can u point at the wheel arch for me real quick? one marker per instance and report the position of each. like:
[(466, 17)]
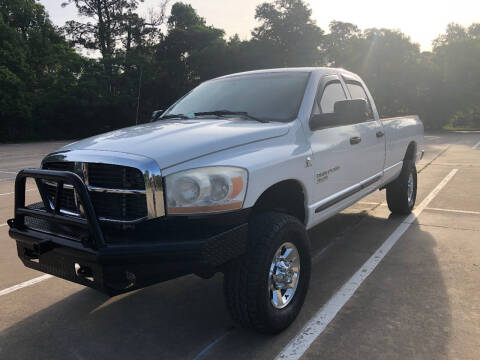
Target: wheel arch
[(411, 151), (286, 196)]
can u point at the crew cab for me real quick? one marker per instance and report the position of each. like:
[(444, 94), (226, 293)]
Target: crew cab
[(228, 179)]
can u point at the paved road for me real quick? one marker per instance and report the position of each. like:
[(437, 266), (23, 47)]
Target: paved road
[(421, 301)]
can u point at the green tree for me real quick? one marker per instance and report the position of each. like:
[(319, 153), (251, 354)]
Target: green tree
[(106, 32), (190, 51), (47, 89), (387, 60), (36, 66), (342, 43), (288, 33), (457, 55), (388, 65), (14, 107)]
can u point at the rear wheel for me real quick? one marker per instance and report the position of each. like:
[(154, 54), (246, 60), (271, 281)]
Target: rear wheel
[(265, 288), (402, 193)]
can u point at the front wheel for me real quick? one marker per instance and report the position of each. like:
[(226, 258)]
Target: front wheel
[(402, 193), (265, 288)]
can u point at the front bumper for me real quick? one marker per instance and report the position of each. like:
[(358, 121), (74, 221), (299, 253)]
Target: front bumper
[(113, 268)]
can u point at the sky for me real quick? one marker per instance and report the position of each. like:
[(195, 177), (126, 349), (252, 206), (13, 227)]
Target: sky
[(422, 20)]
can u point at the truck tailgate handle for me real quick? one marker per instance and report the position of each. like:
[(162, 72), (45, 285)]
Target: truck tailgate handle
[(380, 134), (355, 140)]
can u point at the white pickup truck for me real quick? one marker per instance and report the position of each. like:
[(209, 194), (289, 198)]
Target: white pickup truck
[(229, 179)]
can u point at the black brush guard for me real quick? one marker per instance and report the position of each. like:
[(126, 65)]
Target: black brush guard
[(89, 261), (89, 222)]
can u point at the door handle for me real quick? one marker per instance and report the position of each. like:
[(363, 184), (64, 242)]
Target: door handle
[(380, 134), (355, 140)]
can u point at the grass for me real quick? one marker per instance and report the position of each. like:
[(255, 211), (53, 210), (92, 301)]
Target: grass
[(450, 127)]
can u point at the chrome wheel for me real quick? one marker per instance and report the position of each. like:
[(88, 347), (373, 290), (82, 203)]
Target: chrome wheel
[(410, 189), (284, 275)]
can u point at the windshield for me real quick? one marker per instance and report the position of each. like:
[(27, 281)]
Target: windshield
[(267, 96)]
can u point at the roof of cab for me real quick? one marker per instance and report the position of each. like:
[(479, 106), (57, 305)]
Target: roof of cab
[(325, 70)]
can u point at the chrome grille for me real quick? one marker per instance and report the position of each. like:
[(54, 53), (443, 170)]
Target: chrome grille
[(117, 192)]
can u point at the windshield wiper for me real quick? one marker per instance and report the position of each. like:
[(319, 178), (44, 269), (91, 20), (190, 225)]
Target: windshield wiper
[(174, 116), (228, 112)]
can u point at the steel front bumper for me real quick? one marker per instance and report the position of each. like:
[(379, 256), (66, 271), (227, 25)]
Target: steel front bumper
[(116, 268)]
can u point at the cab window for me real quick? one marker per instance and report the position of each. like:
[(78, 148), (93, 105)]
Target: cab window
[(332, 93), (357, 92)]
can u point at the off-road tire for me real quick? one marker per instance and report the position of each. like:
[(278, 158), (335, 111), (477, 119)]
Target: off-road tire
[(397, 191), (246, 279)]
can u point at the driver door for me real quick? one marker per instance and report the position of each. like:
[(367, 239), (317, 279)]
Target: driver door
[(335, 166)]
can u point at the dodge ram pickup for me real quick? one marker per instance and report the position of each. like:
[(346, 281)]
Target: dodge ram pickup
[(228, 179)]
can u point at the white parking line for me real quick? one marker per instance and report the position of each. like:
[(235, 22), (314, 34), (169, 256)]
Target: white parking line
[(441, 152), (315, 326), (457, 164), (427, 208), (455, 211), (369, 203), (3, 224), (24, 284), (17, 155), (476, 146), (9, 193), (13, 192), (7, 172)]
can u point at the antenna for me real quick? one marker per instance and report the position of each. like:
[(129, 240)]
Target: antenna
[(138, 97)]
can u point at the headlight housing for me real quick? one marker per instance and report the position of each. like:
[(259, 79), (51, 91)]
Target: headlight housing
[(206, 190)]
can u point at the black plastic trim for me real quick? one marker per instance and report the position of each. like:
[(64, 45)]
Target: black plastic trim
[(347, 194)]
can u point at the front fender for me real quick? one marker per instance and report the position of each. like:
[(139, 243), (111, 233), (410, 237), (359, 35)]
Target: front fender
[(268, 162)]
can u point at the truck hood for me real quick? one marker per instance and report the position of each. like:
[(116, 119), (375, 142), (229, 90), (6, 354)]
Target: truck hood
[(170, 142)]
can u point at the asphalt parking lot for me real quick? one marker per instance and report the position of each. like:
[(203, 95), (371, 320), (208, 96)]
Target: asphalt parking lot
[(383, 286)]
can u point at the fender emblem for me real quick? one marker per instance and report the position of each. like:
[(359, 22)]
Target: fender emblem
[(308, 162), (321, 176)]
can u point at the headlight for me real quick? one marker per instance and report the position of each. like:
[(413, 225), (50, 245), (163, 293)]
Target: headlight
[(205, 190)]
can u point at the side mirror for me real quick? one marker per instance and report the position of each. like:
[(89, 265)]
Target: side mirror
[(351, 111), (155, 115), (346, 112)]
